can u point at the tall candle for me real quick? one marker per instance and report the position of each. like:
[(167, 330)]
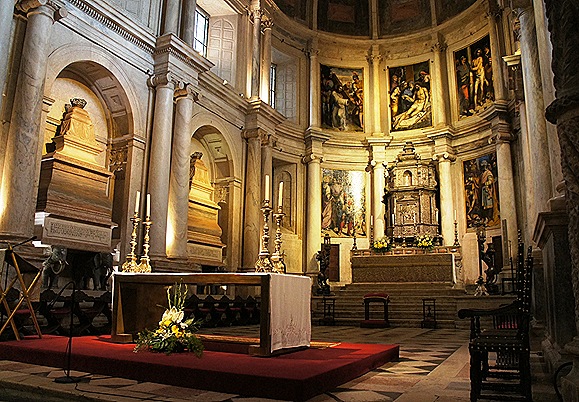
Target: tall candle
[(455, 215), (148, 205), (392, 219), (137, 202), (267, 187), (280, 194), (371, 220)]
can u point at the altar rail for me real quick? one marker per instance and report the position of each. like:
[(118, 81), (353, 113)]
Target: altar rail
[(136, 298)]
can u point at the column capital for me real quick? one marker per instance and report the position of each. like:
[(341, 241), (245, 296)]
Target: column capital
[(266, 23), (438, 47), (187, 91), (162, 79), (312, 158), (374, 58), (52, 10), (266, 138), (493, 10), (253, 133), (444, 157)]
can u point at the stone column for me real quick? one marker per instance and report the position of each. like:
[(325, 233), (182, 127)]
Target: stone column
[(375, 59), (188, 34), (494, 15), (160, 162), (265, 86), (178, 205), (539, 166), (439, 89), (6, 14), (315, 108), (447, 206), (256, 47), (253, 216), (564, 111), (313, 210), (378, 150), (171, 17), (506, 187), (24, 148)]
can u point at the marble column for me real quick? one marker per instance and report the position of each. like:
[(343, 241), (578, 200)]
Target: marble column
[(538, 165), (171, 17), (188, 32), (447, 206), (439, 89), (252, 216), (494, 15), (377, 196), (265, 86), (23, 147), (315, 108), (564, 112), (375, 59), (507, 195), (6, 15), (160, 162), (313, 211), (178, 206), (256, 15)]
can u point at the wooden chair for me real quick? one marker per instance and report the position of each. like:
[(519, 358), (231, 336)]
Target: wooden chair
[(504, 332), (17, 310)]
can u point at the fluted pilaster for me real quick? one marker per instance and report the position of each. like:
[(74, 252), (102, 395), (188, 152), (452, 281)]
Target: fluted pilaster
[(253, 217)]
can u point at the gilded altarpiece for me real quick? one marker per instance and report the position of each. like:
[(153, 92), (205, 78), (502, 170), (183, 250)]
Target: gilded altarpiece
[(411, 195)]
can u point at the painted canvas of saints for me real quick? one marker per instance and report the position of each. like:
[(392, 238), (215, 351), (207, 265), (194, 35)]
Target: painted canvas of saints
[(474, 77), (343, 203), (410, 97), (342, 98), (481, 191)]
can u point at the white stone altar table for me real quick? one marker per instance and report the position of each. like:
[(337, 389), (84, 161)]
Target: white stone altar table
[(285, 320)]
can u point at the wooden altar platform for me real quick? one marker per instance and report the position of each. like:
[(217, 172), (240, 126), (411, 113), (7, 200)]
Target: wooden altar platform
[(137, 298), (404, 265)]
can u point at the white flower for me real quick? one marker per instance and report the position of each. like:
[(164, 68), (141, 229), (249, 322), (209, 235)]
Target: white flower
[(173, 315)]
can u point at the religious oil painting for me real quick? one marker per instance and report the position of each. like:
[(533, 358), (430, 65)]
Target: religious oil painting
[(474, 78), (481, 191), (343, 203), (410, 97), (342, 95)]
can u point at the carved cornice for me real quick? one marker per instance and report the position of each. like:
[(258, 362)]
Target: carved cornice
[(169, 46), (117, 23)]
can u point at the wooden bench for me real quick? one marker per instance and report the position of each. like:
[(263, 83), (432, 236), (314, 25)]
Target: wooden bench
[(502, 333)]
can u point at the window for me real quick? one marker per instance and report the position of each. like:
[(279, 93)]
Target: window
[(272, 83), (201, 31)]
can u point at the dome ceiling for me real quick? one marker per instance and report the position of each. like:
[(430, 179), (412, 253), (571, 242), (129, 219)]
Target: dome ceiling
[(352, 17)]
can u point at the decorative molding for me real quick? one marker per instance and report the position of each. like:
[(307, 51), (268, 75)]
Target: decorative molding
[(136, 36)]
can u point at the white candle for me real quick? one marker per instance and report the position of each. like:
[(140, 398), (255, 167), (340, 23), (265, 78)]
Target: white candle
[(392, 219), (455, 215), (148, 205), (137, 202), (280, 194), (371, 220), (267, 187)]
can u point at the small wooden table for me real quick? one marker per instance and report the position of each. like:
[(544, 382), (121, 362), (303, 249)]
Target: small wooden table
[(137, 296)]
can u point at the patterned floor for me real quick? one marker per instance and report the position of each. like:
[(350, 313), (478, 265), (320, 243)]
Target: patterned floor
[(433, 366)]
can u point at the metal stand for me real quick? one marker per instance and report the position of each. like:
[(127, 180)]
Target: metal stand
[(456, 243), (130, 265), (277, 256), (263, 263), (145, 263)]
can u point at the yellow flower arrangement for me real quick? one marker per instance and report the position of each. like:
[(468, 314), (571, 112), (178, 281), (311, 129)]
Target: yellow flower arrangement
[(382, 245), (424, 241), (173, 334)]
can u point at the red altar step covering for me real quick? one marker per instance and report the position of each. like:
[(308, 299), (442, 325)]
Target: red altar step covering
[(295, 376)]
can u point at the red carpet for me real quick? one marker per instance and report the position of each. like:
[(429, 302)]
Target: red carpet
[(294, 376)]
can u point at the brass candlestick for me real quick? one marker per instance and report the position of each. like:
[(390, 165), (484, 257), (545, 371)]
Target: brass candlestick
[(130, 265), (277, 256), (263, 263), (145, 263)]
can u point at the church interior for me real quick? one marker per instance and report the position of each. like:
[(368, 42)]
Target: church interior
[(302, 167)]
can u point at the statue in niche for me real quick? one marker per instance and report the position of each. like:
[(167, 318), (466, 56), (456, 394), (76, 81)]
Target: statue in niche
[(193, 158)]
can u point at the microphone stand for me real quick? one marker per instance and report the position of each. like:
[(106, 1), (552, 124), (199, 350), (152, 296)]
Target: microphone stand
[(68, 379)]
